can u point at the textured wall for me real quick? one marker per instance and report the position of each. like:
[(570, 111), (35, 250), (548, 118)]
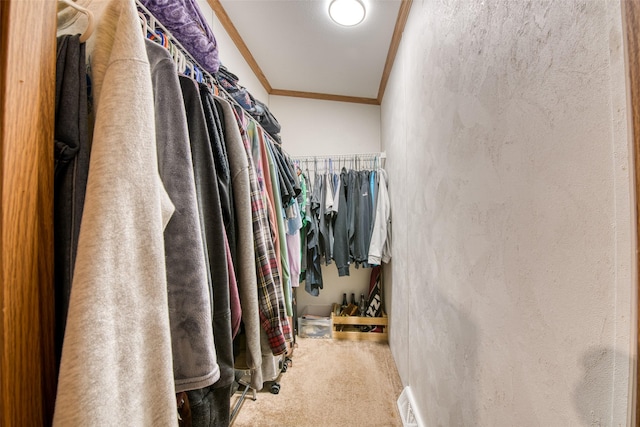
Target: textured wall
[(510, 291)]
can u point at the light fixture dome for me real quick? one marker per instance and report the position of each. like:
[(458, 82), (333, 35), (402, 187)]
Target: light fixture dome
[(347, 12)]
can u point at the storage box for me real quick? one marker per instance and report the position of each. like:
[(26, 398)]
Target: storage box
[(348, 327), (315, 322)]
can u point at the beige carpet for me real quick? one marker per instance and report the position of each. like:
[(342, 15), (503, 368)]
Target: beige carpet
[(330, 383)]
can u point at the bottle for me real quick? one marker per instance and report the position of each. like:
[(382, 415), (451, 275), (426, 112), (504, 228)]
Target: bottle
[(353, 299), (362, 306), (344, 301)]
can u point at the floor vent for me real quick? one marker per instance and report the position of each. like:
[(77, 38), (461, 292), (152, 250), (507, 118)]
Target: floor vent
[(407, 408)]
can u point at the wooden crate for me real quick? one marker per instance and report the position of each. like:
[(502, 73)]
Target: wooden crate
[(345, 328)]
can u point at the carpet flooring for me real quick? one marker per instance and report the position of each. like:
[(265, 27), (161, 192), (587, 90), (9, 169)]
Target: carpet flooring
[(330, 383)]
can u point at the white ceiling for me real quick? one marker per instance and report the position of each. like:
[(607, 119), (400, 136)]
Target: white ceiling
[(299, 48)]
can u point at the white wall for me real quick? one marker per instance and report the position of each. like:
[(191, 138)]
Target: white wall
[(231, 57), (511, 287), (315, 128), (312, 127)]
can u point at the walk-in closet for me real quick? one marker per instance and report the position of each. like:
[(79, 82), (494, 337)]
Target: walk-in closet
[(256, 213)]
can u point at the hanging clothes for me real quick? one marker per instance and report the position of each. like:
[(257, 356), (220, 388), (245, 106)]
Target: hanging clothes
[(172, 212), (341, 237), (269, 286), (380, 247), (116, 366), (264, 176), (213, 206), (188, 285), (270, 197), (245, 252), (283, 189), (320, 195), (252, 140), (289, 187), (293, 253), (215, 129), (353, 188), (209, 406), (293, 227), (234, 296), (364, 213), (328, 214), (276, 177), (343, 209), (71, 154), (303, 201), (313, 276)]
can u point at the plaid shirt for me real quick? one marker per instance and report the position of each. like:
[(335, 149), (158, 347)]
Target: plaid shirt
[(270, 299)]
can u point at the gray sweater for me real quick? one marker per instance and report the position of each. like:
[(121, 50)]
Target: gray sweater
[(116, 358), (194, 355)]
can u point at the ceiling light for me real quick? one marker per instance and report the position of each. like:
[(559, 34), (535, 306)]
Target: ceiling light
[(347, 12)]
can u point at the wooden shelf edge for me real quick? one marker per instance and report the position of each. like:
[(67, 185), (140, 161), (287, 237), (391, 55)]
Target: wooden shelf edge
[(359, 336), (355, 320)]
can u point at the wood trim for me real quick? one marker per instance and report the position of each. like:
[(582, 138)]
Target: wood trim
[(239, 42), (401, 21), (4, 364), (324, 96), (631, 24), (360, 336), (27, 87), (356, 320)]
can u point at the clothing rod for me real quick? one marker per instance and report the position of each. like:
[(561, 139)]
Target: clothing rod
[(361, 156)]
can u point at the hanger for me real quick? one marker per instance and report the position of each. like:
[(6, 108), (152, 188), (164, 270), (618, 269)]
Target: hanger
[(187, 69), (196, 73), (149, 29), (165, 39), (90, 20), (183, 62), (172, 51), (175, 54), (179, 60), (152, 24), (160, 37), (143, 23), (156, 37)]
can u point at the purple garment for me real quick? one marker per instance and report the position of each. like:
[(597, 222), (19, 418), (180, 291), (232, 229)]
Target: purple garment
[(234, 293), (187, 24)]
